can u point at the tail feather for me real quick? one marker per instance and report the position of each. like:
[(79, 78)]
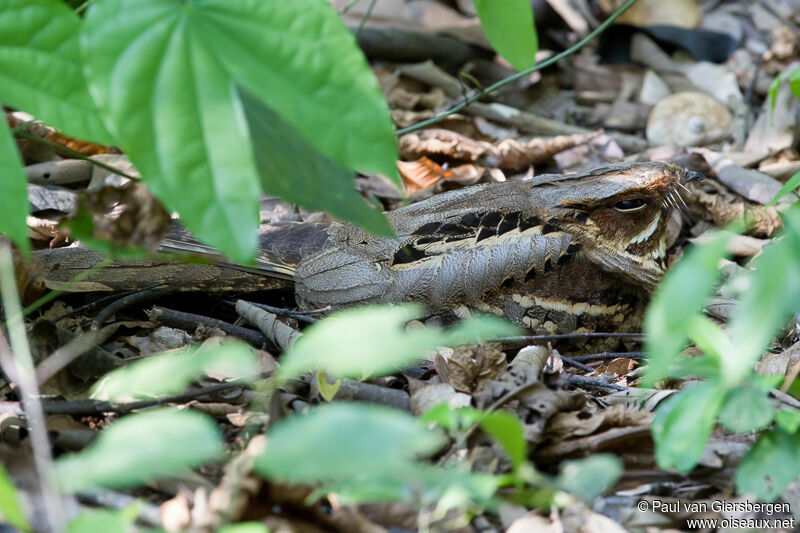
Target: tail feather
[(280, 246)]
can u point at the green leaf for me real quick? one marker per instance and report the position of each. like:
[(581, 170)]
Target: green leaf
[(788, 421), (794, 82), (773, 294), (291, 168), (94, 520), (10, 511), (166, 72), (770, 465), (791, 185), (245, 527), (171, 372), (299, 59), (590, 477), (175, 113), (140, 447), (507, 430), (683, 424), (452, 419), (677, 302), (418, 483), (13, 191), (344, 441), (746, 409), (508, 25), (369, 341), (709, 337), (41, 70)]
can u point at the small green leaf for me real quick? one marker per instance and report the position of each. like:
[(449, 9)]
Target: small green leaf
[(770, 465), (507, 430), (773, 92), (590, 477), (683, 424), (458, 419), (508, 25), (788, 421), (794, 82), (291, 168), (746, 409), (140, 447), (677, 302), (171, 372), (94, 520), (368, 341), (41, 68), (13, 192), (791, 185), (344, 441), (10, 511)]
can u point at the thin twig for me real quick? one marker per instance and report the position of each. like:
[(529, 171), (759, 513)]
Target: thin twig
[(572, 362), (568, 336), (366, 15), (480, 94), (22, 367), (95, 407), (591, 357)]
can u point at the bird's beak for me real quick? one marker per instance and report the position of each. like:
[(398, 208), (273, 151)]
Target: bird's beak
[(691, 175)]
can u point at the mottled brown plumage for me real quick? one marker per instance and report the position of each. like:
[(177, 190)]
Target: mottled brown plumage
[(556, 254)]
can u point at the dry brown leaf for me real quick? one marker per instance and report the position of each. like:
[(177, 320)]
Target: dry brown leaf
[(509, 153), (128, 215), (470, 367)]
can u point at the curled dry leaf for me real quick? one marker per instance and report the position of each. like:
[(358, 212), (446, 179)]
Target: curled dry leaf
[(128, 215), (424, 174), (509, 153), (471, 367), (722, 209)]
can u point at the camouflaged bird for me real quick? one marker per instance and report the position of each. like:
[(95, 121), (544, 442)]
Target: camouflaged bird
[(556, 254)]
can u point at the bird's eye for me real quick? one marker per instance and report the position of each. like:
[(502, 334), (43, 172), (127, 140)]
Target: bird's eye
[(630, 205)]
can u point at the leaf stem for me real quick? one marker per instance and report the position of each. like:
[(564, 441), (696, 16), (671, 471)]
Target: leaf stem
[(480, 94), (18, 365)]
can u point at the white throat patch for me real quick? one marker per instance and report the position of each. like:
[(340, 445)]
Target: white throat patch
[(648, 231)]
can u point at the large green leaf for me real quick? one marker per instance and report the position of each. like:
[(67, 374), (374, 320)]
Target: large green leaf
[(141, 447), (773, 293), (345, 441), (508, 24), (371, 340), (770, 465), (40, 67), (166, 72), (13, 191), (677, 302), (791, 185), (171, 372), (683, 424), (291, 168), (302, 61)]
